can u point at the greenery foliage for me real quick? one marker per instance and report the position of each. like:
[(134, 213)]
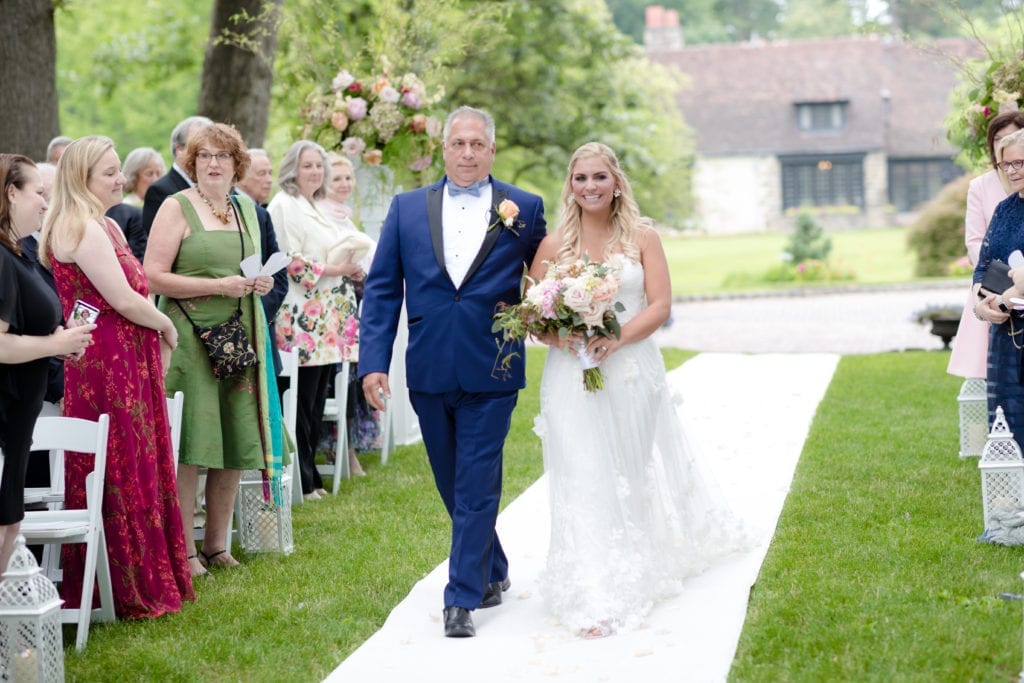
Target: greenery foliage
[(808, 241), (937, 235), (989, 86)]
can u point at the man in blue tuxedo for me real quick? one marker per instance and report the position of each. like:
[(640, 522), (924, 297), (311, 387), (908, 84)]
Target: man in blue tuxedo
[(454, 258)]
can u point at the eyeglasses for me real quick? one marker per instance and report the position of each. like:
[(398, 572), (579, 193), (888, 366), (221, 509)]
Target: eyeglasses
[(1015, 165), (206, 156)]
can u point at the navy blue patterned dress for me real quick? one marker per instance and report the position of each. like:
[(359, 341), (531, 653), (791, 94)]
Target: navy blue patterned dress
[(1005, 359)]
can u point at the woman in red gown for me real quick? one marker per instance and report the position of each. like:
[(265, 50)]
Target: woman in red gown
[(121, 374)]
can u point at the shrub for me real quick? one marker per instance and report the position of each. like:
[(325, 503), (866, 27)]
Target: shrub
[(811, 270), (937, 235), (808, 241)]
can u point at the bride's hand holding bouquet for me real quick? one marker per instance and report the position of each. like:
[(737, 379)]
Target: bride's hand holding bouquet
[(572, 306)]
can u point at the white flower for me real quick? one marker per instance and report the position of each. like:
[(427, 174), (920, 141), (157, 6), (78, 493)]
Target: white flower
[(342, 80), (577, 296), (389, 94)]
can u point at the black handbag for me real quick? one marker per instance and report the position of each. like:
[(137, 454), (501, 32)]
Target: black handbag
[(227, 343), (997, 278)]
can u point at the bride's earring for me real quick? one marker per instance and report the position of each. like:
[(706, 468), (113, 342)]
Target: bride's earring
[(617, 192)]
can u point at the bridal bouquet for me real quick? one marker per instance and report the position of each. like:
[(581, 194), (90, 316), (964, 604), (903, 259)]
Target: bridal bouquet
[(573, 300)]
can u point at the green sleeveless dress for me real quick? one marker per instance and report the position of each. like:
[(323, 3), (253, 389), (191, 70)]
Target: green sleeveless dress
[(220, 425)]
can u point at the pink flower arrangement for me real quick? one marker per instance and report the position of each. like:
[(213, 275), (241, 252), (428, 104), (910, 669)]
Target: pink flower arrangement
[(574, 300), (381, 119)]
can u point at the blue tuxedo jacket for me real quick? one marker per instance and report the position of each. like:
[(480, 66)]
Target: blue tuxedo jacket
[(451, 345)]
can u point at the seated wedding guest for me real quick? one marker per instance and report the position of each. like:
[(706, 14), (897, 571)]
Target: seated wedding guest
[(1005, 367), (142, 167), (175, 179), (30, 333), (319, 312), (259, 180), (121, 375), (56, 148), (199, 237), (970, 346), (363, 421)]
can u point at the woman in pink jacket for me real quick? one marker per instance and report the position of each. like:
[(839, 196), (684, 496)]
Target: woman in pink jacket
[(970, 348)]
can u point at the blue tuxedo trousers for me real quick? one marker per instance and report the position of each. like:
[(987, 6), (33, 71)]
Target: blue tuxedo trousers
[(464, 433)]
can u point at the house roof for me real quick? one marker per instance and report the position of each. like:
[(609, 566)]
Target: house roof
[(740, 97)]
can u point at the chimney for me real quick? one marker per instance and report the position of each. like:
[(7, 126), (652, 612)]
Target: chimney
[(661, 29)]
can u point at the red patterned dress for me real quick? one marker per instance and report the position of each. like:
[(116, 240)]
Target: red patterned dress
[(121, 375)]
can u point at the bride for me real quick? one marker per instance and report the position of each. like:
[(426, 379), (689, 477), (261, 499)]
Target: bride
[(631, 514)]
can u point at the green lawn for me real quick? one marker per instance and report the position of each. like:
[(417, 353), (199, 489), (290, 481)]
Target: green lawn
[(701, 265), (873, 574)]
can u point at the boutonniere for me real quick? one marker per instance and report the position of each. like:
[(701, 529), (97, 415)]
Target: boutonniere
[(507, 212)]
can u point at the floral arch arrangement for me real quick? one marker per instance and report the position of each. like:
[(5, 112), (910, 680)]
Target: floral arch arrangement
[(378, 119), (998, 88)]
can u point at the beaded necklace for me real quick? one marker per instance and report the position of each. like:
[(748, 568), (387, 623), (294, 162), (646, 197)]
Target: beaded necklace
[(224, 216)]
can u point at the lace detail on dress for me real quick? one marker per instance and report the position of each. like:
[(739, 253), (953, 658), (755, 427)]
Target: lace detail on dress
[(631, 513)]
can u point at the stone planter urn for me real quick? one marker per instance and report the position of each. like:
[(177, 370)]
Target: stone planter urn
[(944, 321), (945, 329)]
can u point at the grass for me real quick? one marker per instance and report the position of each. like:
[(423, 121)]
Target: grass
[(295, 618), (874, 573), (702, 265)]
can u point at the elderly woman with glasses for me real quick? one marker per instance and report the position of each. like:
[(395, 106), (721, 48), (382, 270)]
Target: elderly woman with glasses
[(1006, 332), (199, 238)]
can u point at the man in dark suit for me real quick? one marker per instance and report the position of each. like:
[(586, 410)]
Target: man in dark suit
[(174, 180), (448, 253), (259, 179), (129, 219)]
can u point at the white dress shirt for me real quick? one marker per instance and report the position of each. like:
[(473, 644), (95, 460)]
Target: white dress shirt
[(464, 218)]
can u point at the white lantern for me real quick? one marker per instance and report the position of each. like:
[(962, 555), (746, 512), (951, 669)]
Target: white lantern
[(31, 642), (973, 403), (262, 525), (1002, 470)]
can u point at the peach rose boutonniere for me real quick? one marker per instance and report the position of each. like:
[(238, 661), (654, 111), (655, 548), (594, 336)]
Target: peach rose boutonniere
[(507, 212)]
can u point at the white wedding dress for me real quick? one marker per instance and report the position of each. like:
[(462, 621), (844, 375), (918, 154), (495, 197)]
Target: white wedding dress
[(631, 513)]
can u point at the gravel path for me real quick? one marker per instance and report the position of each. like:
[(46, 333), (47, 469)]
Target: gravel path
[(858, 321)]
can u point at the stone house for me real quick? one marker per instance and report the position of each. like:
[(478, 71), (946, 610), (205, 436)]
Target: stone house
[(850, 129)]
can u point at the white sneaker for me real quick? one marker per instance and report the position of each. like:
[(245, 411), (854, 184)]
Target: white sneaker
[(313, 495)]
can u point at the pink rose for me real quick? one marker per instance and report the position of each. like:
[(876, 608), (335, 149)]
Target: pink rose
[(331, 339), (418, 123), (357, 108), (433, 126), (339, 121), (389, 94), (412, 100), (296, 266), (353, 146), (373, 157)]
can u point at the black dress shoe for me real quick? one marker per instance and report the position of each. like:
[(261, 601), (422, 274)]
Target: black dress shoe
[(492, 596), (458, 623)]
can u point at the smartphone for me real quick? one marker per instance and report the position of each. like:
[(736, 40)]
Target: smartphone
[(83, 314)]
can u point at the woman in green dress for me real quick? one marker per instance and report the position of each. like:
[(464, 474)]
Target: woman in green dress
[(198, 239)]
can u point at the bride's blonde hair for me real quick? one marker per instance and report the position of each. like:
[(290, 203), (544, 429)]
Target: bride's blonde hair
[(73, 204), (625, 219)]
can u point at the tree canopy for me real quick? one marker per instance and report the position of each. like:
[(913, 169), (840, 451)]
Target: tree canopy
[(555, 74)]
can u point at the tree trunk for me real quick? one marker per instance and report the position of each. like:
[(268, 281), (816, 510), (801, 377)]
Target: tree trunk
[(239, 66), (28, 73)]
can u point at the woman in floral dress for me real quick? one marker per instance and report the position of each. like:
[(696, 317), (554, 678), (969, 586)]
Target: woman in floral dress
[(319, 313)]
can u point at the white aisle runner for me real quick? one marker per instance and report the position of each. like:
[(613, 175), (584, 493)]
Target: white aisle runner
[(750, 415)]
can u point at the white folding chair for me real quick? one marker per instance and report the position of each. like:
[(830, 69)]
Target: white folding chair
[(58, 527), (175, 406), (387, 433), (336, 410), (290, 369)]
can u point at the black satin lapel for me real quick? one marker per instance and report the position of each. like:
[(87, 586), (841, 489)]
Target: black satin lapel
[(434, 222), (492, 233)]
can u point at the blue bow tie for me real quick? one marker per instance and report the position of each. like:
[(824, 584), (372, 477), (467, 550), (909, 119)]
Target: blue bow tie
[(474, 189)]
